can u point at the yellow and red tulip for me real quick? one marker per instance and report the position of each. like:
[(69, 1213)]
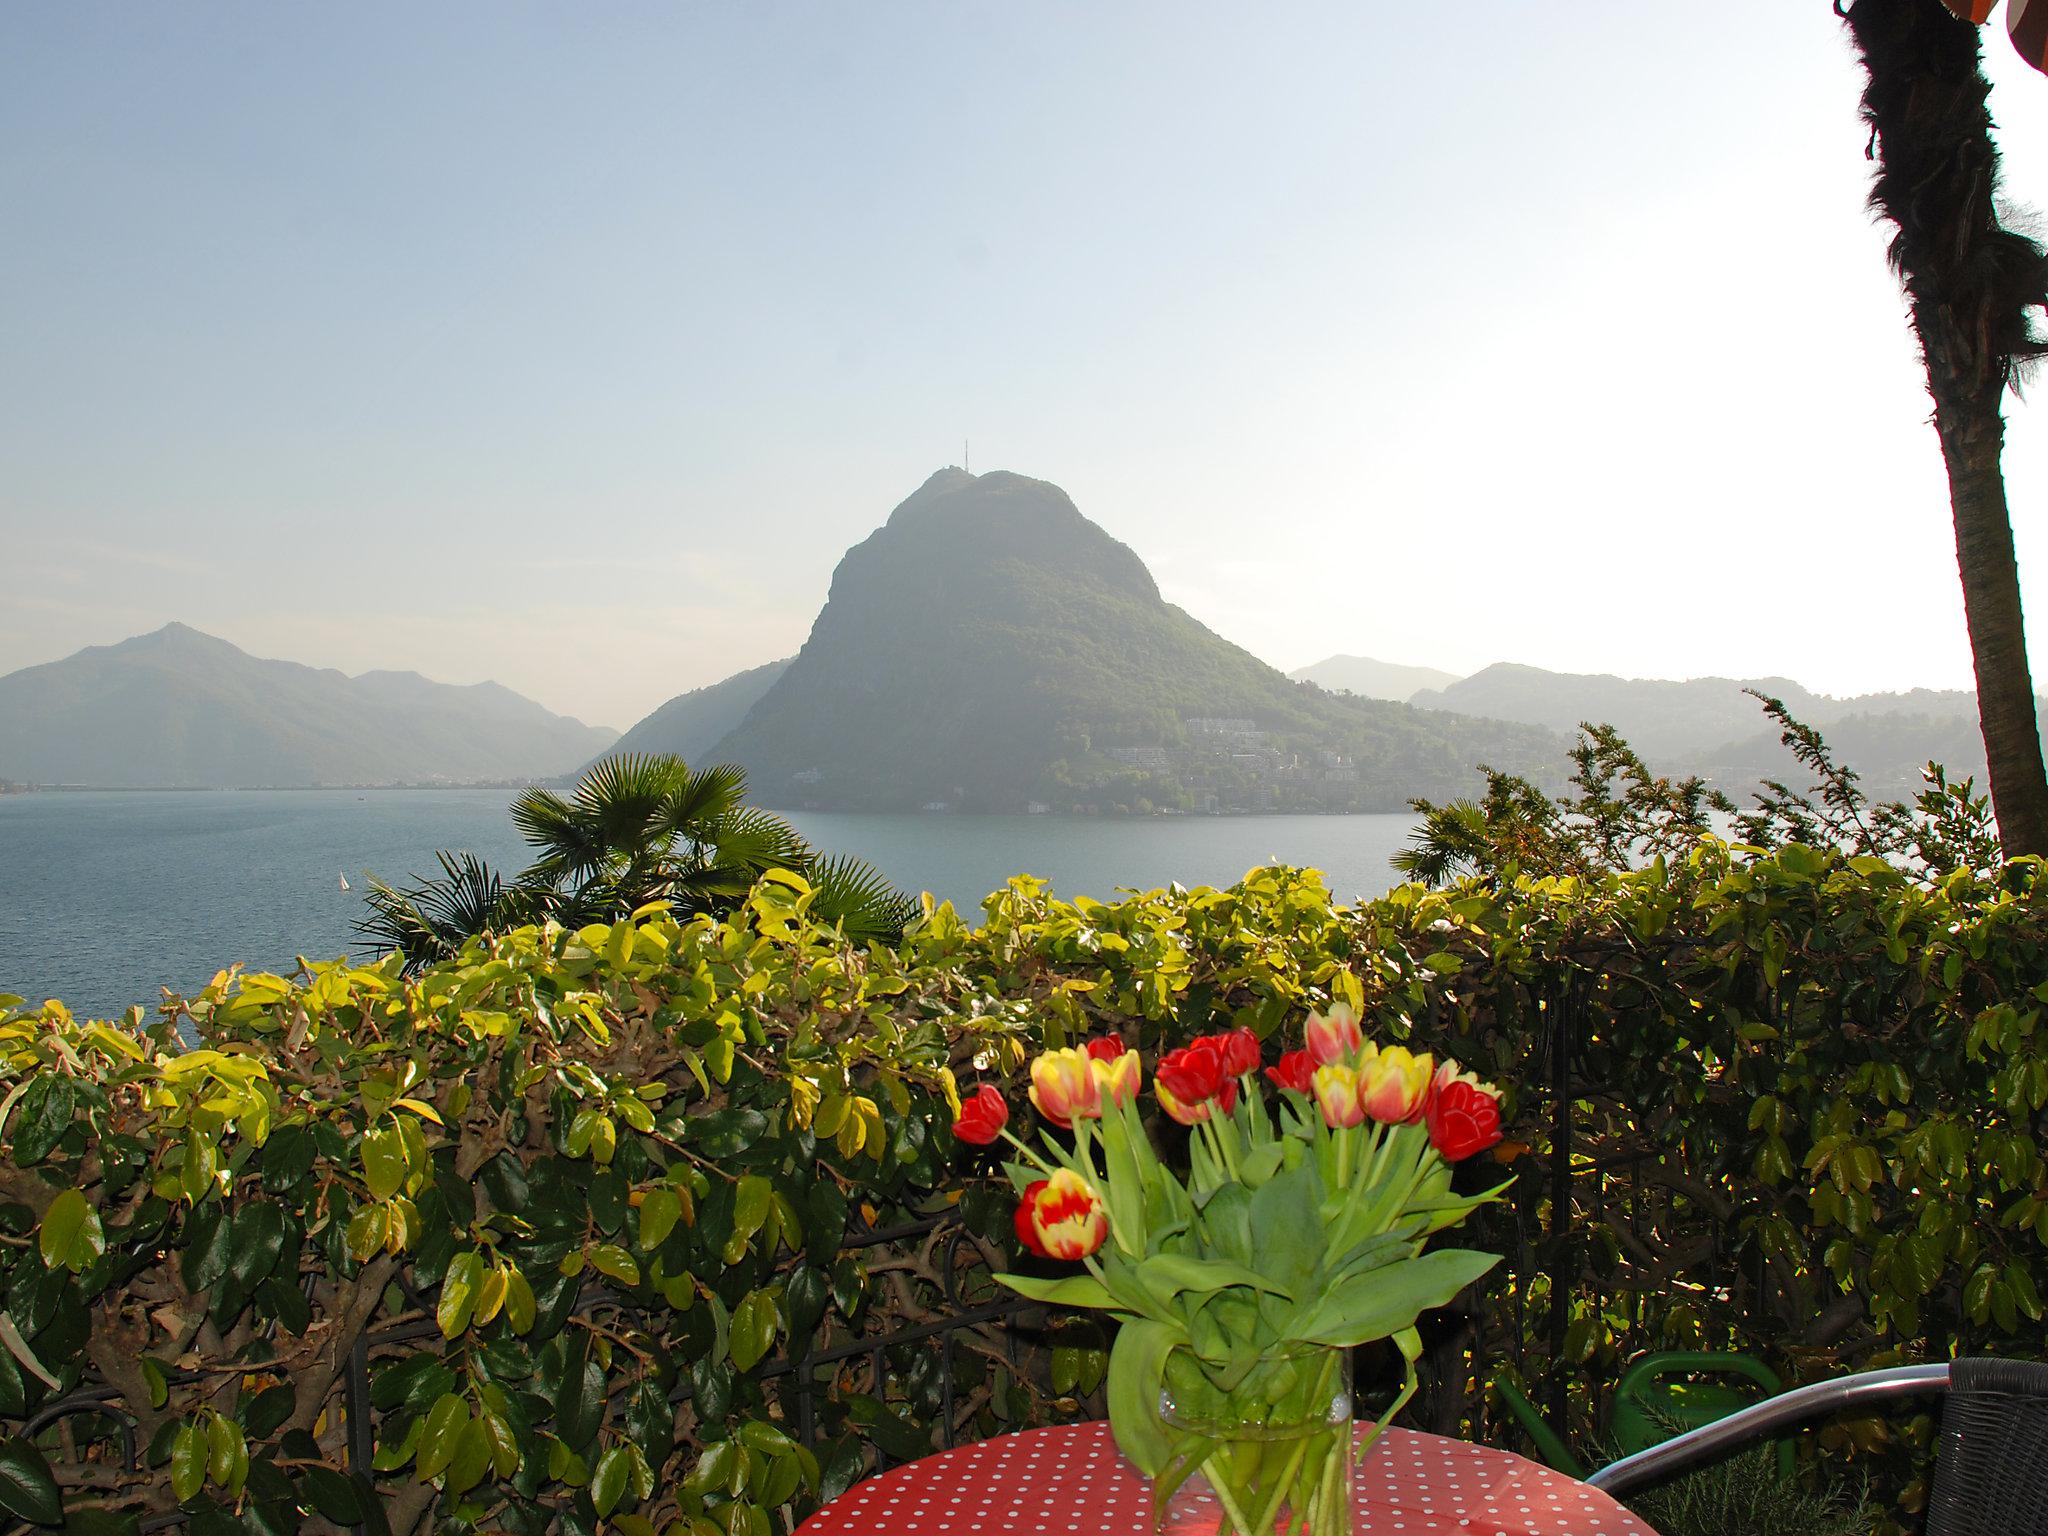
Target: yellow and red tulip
[(1448, 1072), (1333, 1036), (1117, 1077), (1336, 1093), (1062, 1217), (1064, 1087), (1394, 1083)]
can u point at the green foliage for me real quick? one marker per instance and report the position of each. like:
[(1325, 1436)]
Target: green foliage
[(1623, 815), (584, 1191), (1745, 1493), (634, 832)]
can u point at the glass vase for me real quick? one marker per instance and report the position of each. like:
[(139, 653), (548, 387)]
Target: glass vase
[(1257, 1447)]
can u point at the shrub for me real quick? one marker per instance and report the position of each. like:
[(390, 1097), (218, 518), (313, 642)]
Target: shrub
[(572, 1201), (563, 1201)]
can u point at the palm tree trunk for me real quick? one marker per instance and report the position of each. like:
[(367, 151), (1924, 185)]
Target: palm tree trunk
[(1998, 631), (1972, 285)]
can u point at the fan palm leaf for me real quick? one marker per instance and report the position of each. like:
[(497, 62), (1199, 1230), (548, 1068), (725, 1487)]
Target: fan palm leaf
[(855, 895), (570, 847), (431, 920), (700, 798)]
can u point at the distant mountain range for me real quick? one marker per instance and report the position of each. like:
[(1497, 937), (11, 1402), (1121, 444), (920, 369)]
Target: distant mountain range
[(1710, 726), (177, 708), (991, 649), (1372, 679), (987, 649)]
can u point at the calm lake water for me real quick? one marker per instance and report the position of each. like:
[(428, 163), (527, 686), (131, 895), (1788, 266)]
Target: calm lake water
[(105, 898)]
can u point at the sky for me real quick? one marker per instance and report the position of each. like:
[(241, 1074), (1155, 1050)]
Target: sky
[(570, 347)]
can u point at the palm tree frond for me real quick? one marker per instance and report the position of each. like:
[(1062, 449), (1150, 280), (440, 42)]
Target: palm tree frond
[(854, 894), (431, 920), (701, 799)]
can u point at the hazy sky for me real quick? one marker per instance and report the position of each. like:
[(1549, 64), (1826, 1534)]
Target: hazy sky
[(571, 345)]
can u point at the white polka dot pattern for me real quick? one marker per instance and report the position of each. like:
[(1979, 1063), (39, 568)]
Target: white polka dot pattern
[(1068, 1480)]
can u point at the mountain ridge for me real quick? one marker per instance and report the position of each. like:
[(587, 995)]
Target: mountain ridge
[(1711, 725), (180, 708), (1371, 678)]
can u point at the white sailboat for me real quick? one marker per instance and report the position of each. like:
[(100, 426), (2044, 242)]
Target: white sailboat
[(343, 879)]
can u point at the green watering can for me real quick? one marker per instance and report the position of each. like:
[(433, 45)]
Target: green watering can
[(1658, 1397)]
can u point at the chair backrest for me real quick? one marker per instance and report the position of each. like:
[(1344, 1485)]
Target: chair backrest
[(1991, 1474)]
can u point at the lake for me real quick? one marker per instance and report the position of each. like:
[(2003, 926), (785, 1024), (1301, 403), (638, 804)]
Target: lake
[(106, 897)]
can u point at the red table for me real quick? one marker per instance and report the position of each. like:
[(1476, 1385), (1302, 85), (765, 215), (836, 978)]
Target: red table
[(1069, 1481)]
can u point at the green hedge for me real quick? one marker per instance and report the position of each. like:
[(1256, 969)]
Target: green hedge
[(580, 1195)]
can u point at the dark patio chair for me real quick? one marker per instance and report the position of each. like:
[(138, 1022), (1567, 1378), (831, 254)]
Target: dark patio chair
[(1990, 1473)]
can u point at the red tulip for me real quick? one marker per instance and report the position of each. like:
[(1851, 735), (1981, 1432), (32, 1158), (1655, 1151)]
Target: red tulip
[(1462, 1120), (982, 1117), (1240, 1050), (1193, 1074), (1195, 1114), (1295, 1073), (1107, 1048), (1062, 1217)]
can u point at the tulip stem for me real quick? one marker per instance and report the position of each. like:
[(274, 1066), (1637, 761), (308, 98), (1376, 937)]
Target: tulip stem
[(1221, 1143), (1036, 1161)]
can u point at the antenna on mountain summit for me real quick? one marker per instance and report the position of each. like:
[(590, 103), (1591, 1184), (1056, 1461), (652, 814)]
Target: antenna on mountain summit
[(966, 463)]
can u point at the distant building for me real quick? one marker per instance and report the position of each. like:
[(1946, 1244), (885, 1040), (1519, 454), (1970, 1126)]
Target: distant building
[(1223, 731), (1139, 757)]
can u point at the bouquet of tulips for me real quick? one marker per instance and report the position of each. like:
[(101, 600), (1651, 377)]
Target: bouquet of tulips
[(1295, 1235)]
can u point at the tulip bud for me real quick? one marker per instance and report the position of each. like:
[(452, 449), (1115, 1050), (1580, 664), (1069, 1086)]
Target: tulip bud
[(1333, 1036), (1295, 1072), (1193, 1074), (982, 1116), (1240, 1051), (1117, 1077), (1336, 1093)]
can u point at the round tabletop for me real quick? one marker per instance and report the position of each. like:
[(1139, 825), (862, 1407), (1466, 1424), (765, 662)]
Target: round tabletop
[(1069, 1480)]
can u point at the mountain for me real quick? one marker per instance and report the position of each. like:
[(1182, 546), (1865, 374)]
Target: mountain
[(177, 708), (1372, 679), (989, 648), (1710, 726), (1660, 719), (691, 724)]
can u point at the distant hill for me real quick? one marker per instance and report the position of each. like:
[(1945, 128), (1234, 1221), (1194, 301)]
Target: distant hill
[(181, 709), (691, 724), (1660, 719), (1709, 725), (989, 648), (1372, 679)]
